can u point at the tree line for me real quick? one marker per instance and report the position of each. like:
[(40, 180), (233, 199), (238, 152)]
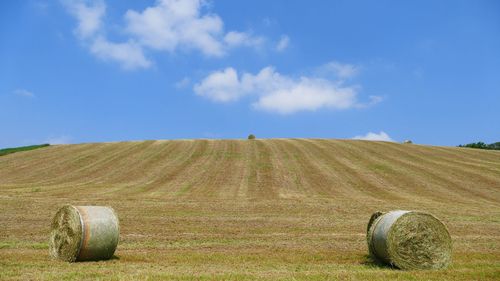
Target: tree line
[(482, 145)]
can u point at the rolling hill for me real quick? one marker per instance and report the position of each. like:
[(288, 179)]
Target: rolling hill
[(238, 209)]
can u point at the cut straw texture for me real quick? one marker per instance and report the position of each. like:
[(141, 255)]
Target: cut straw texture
[(409, 240), (82, 233)]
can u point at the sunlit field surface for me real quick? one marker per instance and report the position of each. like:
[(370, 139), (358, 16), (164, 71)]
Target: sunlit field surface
[(277, 209)]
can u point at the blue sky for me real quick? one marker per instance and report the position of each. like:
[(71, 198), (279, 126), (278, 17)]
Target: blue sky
[(92, 71)]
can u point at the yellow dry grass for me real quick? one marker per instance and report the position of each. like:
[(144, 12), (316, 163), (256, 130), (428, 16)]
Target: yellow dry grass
[(277, 209)]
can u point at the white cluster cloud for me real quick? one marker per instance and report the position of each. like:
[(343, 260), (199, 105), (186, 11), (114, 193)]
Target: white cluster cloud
[(172, 23), (279, 93), (381, 136), (89, 17), (168, 25), (90, 29), (221, 86)]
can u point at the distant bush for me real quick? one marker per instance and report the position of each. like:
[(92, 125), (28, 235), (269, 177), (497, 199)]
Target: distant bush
[(6, 151), (251, 137), (482, 145)]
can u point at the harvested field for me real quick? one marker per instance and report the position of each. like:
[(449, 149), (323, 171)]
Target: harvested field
[(277, 209)]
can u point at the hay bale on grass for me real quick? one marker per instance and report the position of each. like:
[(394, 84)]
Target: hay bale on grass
[(409, 240), (82, 233)]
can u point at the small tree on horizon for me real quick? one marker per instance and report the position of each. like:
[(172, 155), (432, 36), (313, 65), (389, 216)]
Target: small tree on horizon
[(251, 137)]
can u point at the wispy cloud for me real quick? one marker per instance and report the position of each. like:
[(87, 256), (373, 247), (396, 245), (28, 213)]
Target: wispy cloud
[(340, 70), (168, 25), (24, 93), (372, 100), (236, 39), (63, 139), (283, 43), (381, 136), (40, 5), (183, 83), (128, 54), (275, 92)]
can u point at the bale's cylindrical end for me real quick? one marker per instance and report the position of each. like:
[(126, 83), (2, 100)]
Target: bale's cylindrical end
[(409, 240), (66, 234), (81, 233)]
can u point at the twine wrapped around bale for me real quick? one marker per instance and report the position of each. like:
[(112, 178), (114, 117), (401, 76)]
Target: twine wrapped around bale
[(83, 233), (409, 240)]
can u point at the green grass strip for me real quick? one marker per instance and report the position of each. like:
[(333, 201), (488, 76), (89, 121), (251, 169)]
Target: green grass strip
[(6, 151)]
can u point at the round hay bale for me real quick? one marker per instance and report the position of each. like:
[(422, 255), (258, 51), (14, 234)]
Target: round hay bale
[(409, 240), (84, 233)]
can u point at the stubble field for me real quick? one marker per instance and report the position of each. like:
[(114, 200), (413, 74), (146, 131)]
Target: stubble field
[(276, 209)]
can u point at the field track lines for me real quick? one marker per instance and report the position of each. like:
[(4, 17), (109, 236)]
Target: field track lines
[(267, 169), (288, 172), (458, 181), (238, 170), (227, 177), (30, 161), (100, 168), (261, 182), (440, 179), (428, 185), (187, 183), (89, 175), (163, 165), (53, 171), (465, 169), (171, 165), (36, 166), (136, 172), (173, 153), (317, 178), (162, 183), (467, 154), (120, 163), (367, 181), (360, 164), (193, 181), (130, 171), (41, 155), (325, 178), (472, 160), (130, 168), (406, 176), (220, 172), (106, 180), (83, 167), (240, 187), (242, 190), (353, 184)]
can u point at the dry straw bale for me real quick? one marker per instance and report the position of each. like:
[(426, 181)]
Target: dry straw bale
[(409, 240), (81, 233)]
